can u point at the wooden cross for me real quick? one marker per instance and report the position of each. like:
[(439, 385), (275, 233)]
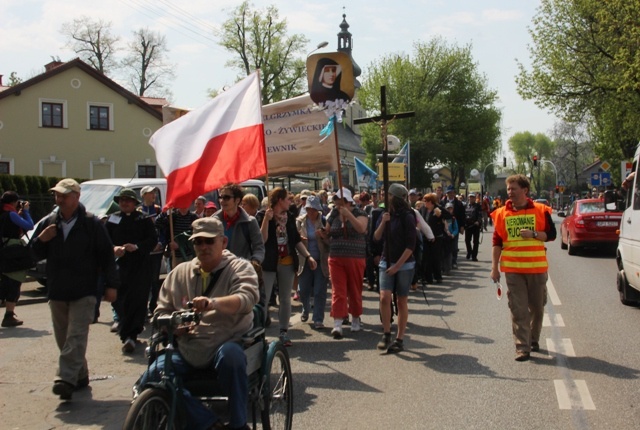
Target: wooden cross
[(383, 120)]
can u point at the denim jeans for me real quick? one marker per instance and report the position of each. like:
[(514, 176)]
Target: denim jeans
[(230, 364), (401, 281), (313, 282), (285, 278)]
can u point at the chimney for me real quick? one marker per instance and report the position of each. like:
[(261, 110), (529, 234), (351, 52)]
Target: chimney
[(52, 65)]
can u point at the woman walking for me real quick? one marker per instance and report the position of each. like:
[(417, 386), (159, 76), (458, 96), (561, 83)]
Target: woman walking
[(313, 282), (347, 228), (397, 264)]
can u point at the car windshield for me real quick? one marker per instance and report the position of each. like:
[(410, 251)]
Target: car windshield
[(98, 199), (591, 207)]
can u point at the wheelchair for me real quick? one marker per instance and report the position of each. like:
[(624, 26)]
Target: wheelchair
[(158, 404)]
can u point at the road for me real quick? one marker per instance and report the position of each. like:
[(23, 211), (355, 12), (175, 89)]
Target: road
[(458, 369)]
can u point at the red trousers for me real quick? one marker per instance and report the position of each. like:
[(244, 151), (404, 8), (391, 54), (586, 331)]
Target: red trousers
[(346, 286)]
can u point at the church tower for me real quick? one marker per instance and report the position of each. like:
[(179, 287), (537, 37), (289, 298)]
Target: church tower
[(345, 44)]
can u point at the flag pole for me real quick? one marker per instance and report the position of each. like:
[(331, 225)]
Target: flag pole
[(335, 135), (264, 147)]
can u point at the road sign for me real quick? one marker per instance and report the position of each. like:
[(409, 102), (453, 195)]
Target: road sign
[(562, 183), (605, 166), (595, 179), (605, 179), (561, 188)]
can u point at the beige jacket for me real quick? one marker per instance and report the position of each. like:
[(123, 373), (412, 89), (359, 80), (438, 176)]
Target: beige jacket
[(199, 346)]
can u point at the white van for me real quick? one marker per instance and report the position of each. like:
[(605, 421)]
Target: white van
[(628, 251), (97, 195)]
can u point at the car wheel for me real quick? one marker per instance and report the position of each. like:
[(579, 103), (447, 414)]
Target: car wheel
[(628, 295), (572, 249), (562, 244)]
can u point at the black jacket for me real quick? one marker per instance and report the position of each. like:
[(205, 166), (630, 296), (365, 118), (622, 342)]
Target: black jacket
[(74, 264), (270, 262)]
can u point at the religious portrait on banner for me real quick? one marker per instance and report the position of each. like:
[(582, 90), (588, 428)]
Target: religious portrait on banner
[(332, 79)]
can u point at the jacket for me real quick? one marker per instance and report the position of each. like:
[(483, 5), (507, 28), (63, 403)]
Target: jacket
[(74, 264), (270, 262), (246, 238), (198, 347)]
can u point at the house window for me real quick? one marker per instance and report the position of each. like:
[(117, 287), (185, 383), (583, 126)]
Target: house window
[(52, 114), (5, 168), (146, 171), (99, 117)]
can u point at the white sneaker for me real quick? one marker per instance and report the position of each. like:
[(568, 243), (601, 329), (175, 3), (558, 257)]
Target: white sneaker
[(337, 329), (355, 324)]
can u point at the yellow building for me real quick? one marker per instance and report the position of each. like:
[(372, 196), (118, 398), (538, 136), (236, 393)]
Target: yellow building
[(72, 121)]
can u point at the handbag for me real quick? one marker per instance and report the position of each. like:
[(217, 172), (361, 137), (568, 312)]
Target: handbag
[(14, 258)]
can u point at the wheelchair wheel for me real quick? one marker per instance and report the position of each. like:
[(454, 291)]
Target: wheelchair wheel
[(278, 401), (150, 410)]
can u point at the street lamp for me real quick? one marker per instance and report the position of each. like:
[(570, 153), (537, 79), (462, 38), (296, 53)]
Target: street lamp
[(319, 46)]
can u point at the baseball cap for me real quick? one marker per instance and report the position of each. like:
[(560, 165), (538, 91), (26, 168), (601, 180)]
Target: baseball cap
[(66, 186), (207, 227), (448, 205), (147, 189), (472, 195), (398, 190), (210, 205), (412, 191), (450, 189)]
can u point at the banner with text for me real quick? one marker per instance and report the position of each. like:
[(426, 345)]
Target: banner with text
[(292, 136)]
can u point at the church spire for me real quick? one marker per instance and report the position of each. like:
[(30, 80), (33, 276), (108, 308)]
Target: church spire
[(345, 44)]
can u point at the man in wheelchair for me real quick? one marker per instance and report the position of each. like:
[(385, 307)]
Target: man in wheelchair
[(225, 289)]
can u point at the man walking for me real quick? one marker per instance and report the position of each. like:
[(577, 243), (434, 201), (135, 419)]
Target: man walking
[(78, 251), (134, 237), (459, 213), (521, 227), (473, 219)]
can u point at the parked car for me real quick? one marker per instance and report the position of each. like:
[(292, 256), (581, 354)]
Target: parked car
[(588, 225), (543, 201)]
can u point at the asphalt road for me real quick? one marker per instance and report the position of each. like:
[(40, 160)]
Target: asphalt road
[(457, 372)]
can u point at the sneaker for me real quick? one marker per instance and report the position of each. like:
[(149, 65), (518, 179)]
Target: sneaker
[(522, 355), (396, 346), (355, 324), (296, 297), (304, 317), (468, 256), (10, 320), (129, 346), (337, 332), (114, 327), (63, 389), (318, 325), (385, 342), (285, 339), (535, 346)]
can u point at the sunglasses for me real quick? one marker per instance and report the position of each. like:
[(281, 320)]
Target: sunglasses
[(198, 241), (226, 197)]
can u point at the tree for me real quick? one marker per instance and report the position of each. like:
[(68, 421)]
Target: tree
[(586, 59), (14, 79), (260, 40), (456, 122), (147, 65), (92, 41), (573, 151), (525, 146)]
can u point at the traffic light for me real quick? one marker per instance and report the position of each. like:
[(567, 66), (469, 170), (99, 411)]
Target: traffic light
[(557, 189), (535, 160), (504, 161)]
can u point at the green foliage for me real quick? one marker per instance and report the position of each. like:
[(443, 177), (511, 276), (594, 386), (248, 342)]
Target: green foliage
[(260, 40), (586, 61), (14, 79), (524, 146), (456, 123)]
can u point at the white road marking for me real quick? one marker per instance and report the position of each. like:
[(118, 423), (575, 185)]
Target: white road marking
[(573, 397), (563, 347), (553, 295), (554, 320)]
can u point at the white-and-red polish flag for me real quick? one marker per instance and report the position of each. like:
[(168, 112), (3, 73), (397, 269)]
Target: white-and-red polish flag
[(223, 141)]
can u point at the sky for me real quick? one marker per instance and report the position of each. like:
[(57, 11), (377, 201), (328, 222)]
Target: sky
[(496, 30)]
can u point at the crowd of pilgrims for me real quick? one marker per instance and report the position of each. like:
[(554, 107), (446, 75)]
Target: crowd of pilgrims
[(305, 245)]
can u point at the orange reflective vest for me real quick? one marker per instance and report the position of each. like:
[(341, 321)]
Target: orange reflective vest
[(519, 254)]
